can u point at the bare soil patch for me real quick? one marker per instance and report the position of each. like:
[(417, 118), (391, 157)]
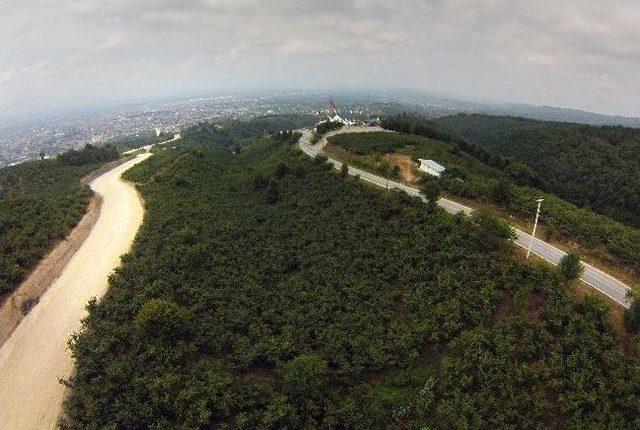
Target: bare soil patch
[(504, 309), (407, 167)]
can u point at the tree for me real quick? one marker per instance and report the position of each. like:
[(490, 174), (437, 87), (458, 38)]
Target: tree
[(344, 170), (163, 319), (551, 230), (632, 315), (281, 170), (493, 225), (272, 192), (260, 182), (571, 267), (431, 191), (306, 376), (501, 192), (320, 159)]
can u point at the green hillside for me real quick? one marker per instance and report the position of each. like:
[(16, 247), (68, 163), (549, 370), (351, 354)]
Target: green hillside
[(265, 291), (593, 167), (498, 180)]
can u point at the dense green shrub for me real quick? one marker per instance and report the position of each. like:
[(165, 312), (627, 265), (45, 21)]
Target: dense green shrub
[(327, 126), (306, 376), (493, 225), (162, 319), (571, 267), (632, 316)]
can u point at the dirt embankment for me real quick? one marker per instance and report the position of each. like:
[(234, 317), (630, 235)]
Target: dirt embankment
[(19, 302), (105, 168), (23, 298)]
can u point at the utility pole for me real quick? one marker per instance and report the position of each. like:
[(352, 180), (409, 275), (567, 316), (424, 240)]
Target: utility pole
[(535, 226)]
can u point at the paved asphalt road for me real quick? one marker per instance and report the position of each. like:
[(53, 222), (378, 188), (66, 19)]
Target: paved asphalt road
[(599, 280)]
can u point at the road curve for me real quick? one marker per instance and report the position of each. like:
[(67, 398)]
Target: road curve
[(606, 284), (36, 354)]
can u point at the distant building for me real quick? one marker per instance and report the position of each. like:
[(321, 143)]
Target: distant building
[(431, 167), (338, 118), (373, 122)]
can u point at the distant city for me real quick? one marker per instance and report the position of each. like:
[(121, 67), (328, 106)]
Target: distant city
[(24, 143), (52, 136)]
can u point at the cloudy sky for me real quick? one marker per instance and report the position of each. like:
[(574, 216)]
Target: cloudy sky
[(571, 53)]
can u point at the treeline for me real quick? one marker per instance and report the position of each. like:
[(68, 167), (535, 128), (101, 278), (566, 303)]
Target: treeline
[(229, 134), (266, 291), (265, 125), (126, 142), (374, 142), (90, 154), (324, 128), (502, 184), (40, 201), (593, 167)]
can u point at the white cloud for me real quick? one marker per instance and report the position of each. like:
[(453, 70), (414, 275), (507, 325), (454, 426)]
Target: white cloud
[(113, 42), (502, 49), (305, 47), (229, 56), (7, 75)]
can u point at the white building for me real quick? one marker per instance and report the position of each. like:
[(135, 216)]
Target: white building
[(431, 167), (338, 118)]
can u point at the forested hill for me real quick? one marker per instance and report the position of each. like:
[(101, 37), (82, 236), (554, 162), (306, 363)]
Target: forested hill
[(595, 167), (266, 291)]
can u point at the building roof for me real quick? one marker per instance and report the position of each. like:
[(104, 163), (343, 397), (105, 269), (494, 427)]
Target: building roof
[(338, 118), (432, 165)]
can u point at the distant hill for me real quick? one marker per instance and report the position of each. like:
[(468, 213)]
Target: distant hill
[(551, 113), (595, 167), (438, 105)]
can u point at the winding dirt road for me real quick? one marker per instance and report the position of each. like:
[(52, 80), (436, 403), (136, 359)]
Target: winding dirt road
[(36, 354)]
